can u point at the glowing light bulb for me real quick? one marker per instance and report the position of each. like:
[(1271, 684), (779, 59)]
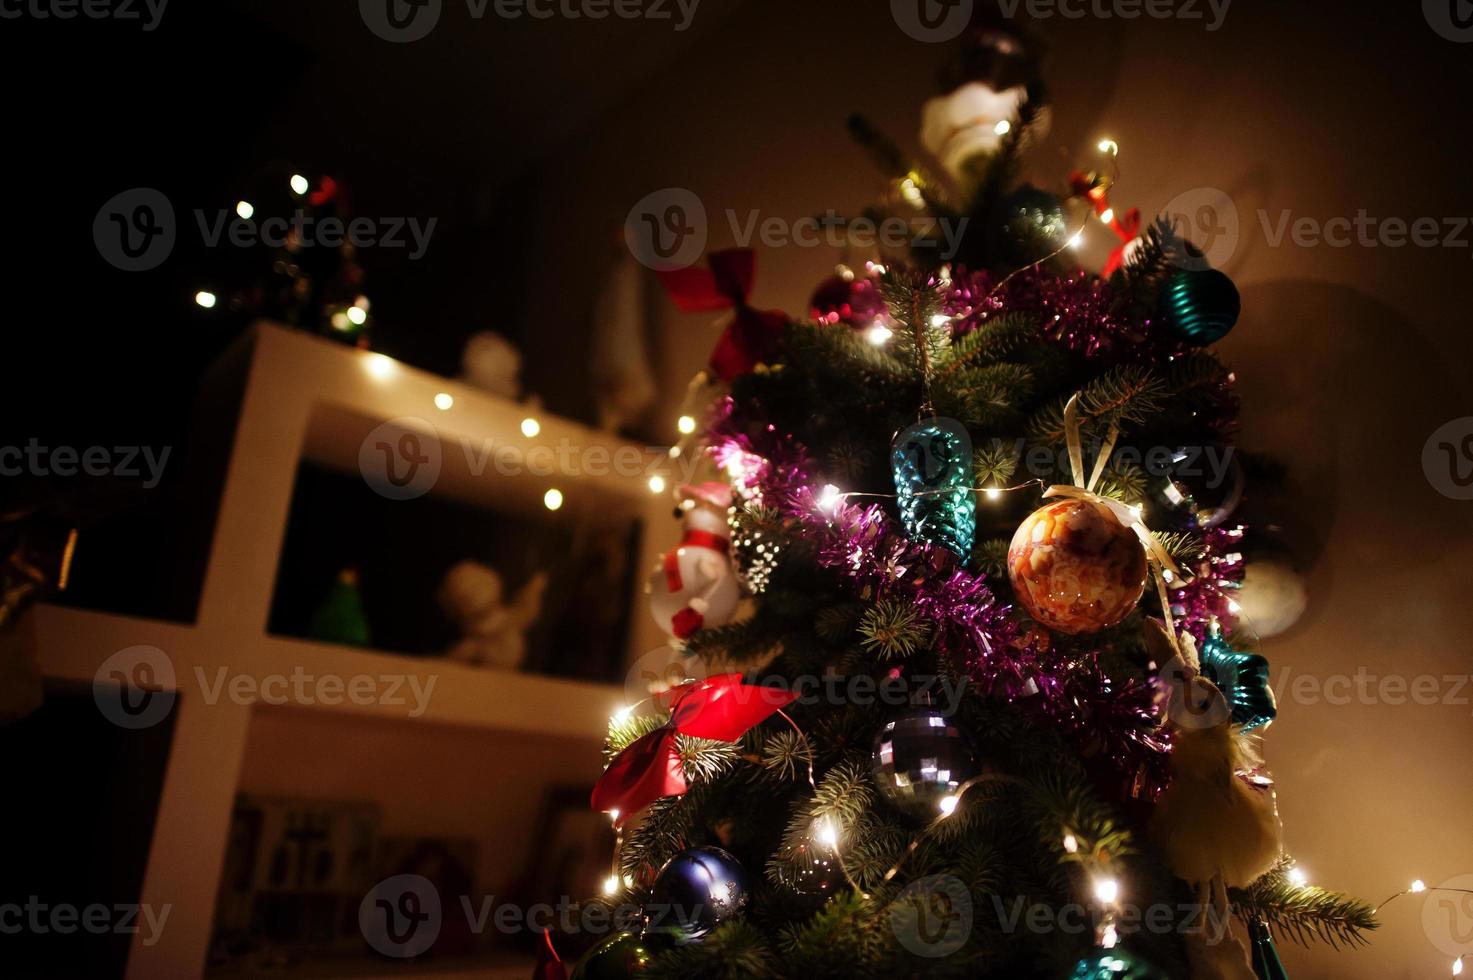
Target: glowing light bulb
[(362, 303), (1002, 127), (1107, 890), (205, 298), (1418, 887), (614, 816), (1109, 146), (530, 427), (674, 452), (827, 834), (1298, 877), (878, 333), (657, 484), (829, 496), (685, 424), (1071, 843), (444, 400), (992, 493), (244, 209), (948, 805), (552, 499), (357, 315), (380, 365), (1233, 606), (1109, 937), (611, 885), (940, 320), (623, 714), (1458, 967), (1107, 215), (1076, 239), (299, 184)]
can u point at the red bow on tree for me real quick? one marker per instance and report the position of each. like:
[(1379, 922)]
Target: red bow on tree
[(720, 707), (752, 336), (1126, 227)]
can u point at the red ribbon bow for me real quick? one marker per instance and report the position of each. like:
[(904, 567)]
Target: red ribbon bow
[(752, 336), (1126, 227), (719, 707)]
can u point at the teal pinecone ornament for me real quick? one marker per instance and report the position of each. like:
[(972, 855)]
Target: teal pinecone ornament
[(932, 464), (1200, 305), (1243, 680)]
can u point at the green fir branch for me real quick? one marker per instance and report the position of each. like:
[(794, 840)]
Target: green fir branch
[(894, 630), (1303, 913)]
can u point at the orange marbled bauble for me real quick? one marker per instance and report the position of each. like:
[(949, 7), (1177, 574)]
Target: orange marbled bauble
[(1075, 567)]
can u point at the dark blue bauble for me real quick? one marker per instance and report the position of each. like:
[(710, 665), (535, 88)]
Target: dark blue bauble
[(1027, 225), (1201, 305), (919, 759), (1115, 964), (1243, 680), (697, 891)]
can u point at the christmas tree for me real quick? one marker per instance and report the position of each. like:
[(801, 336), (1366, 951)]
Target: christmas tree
[(988, 709)]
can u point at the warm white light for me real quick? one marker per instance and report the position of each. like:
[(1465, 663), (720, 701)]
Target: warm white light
[(992, 493), (614, 816), (611, 885), (1071, 843), (1233, 606), (1109, 937), (1002, 127), (380, 365), (362, 303), (623, 714), (530, 427), (552, 499), (674, 452), (829, 496), (340, 321), (827, 834), (1458, 967), (911, 193), (1418, 887), (1110, 147), (657, 484), (444, 400), (878, 334), (357, 315), (1107, 890), (244, 209), (686, 424), (1298, 877), (205, 298), (299, 184), (940, 320), (948, 805), (1107, 215), (1135, 512), (1076, 239)]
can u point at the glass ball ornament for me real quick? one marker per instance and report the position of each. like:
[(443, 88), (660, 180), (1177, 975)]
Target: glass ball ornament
[(1115, 964), (618, 957), (1075, 567), (818, 874), (1201, 488), (921, 758), (1028, 224), (1200, 305), (697, 891)]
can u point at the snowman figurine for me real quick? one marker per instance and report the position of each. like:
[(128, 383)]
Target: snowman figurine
[(694, 586)]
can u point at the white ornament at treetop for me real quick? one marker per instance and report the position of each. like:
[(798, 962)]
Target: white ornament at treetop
[(964, 123), (694, 586)]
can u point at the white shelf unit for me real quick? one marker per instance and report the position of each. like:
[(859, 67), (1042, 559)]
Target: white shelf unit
[(309, 398)]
